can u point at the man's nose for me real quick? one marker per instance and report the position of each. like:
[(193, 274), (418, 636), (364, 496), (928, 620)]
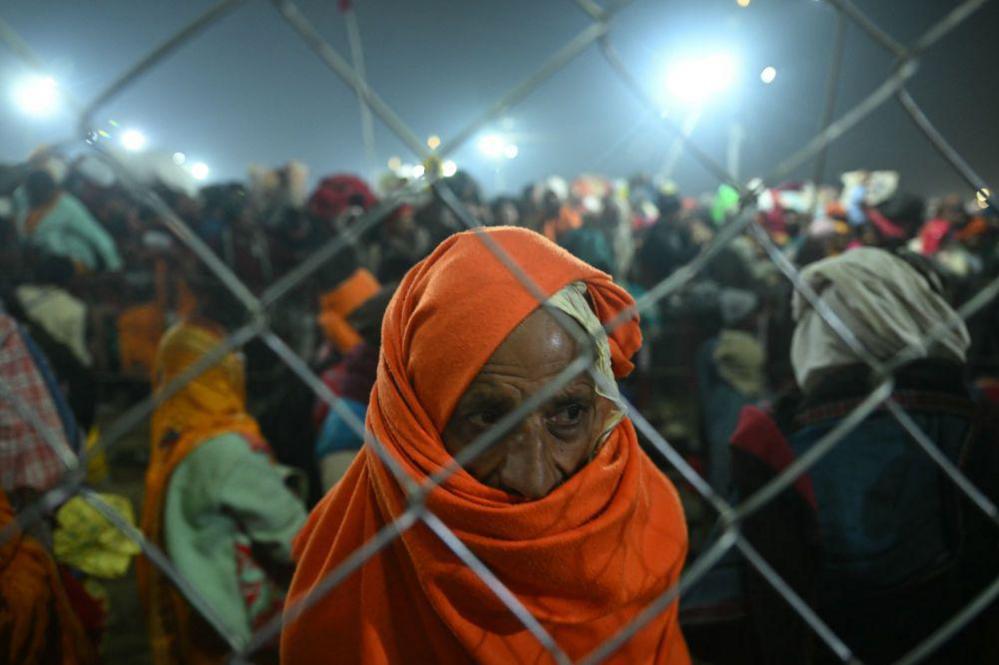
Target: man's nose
[(527, 471)]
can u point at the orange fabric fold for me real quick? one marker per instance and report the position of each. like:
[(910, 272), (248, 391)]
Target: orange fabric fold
[(337, 304), (37, 623), (140, 328), (584, 560), (211, 404)]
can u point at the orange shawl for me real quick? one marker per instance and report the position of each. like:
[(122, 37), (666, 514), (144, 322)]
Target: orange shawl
[(211, 404), (584, 560), (37, 623)]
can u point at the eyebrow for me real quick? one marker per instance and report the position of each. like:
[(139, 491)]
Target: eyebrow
[(485, 395), (479, 399)]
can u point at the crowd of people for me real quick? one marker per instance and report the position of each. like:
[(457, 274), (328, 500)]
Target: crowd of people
[(738, 371)]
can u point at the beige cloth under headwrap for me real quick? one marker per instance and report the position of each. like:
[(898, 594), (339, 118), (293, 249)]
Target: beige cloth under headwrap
[(739, 358), (885, 302), (572, 301)]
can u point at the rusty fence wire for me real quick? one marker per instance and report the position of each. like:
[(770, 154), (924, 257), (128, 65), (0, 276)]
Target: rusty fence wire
[(597, 34)]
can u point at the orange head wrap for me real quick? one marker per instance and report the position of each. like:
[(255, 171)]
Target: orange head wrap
[(584, 560), (339, 303)]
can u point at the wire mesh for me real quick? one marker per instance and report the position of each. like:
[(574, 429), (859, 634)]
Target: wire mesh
[(596, 35)]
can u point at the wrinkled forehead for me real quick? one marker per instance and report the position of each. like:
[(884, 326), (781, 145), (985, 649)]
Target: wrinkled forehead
[(541, 346), (456, 311)]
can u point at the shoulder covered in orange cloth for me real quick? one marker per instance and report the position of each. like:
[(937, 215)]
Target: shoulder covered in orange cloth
[(584, 560)]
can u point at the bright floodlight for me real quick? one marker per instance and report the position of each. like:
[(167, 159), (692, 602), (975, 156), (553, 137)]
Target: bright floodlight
[(418, 171), (37, 96), (433, 142), (492, 145), (133, 140), (768, 75), (448, 168), (179, 158), (694, 80), (495, 146), (200, 170)]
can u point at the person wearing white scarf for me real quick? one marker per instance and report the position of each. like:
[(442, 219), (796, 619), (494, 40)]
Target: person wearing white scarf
[(887, 304)]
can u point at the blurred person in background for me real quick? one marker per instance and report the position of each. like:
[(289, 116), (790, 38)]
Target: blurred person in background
[(874, 535), (216, 502), (56, 222), (351, 379), (506, 211), (57, 321), (38, 622)]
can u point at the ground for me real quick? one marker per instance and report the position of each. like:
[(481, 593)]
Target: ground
[(126, 641)]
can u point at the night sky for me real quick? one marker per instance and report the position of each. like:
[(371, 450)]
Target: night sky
[(249, 90)]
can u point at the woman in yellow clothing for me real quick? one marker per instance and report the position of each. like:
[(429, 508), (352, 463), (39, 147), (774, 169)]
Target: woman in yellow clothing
[(215, 502)]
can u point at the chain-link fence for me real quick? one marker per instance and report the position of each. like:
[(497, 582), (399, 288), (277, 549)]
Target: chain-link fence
[(598, 34)]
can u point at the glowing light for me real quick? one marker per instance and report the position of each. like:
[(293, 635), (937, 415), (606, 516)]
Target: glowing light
[(418, 171), (742, 3), (394, 163), (133, 140), (103, 134), (200, 170), (433, 142), (37, 96), (495, 146), (179, 158), (492, 145), (768, 75), (695, 80), (982, 196), (448, 168)]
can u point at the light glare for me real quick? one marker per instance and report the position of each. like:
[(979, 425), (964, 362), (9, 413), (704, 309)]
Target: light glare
[(495, 146), (133, 140), (448, 168), (179, 158), (200, 171), (433, 142), (37, 96), (768, 75), (492, 145), (982, 196), (695, 80)]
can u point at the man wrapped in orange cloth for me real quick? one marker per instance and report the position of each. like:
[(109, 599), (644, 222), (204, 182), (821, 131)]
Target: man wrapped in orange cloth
[(37, 623), (566, 510)]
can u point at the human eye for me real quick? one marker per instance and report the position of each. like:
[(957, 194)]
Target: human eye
[(484, 417), (568, 414)]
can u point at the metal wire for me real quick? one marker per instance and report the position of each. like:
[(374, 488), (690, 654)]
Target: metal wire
[(185, 34), (418, 489)]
